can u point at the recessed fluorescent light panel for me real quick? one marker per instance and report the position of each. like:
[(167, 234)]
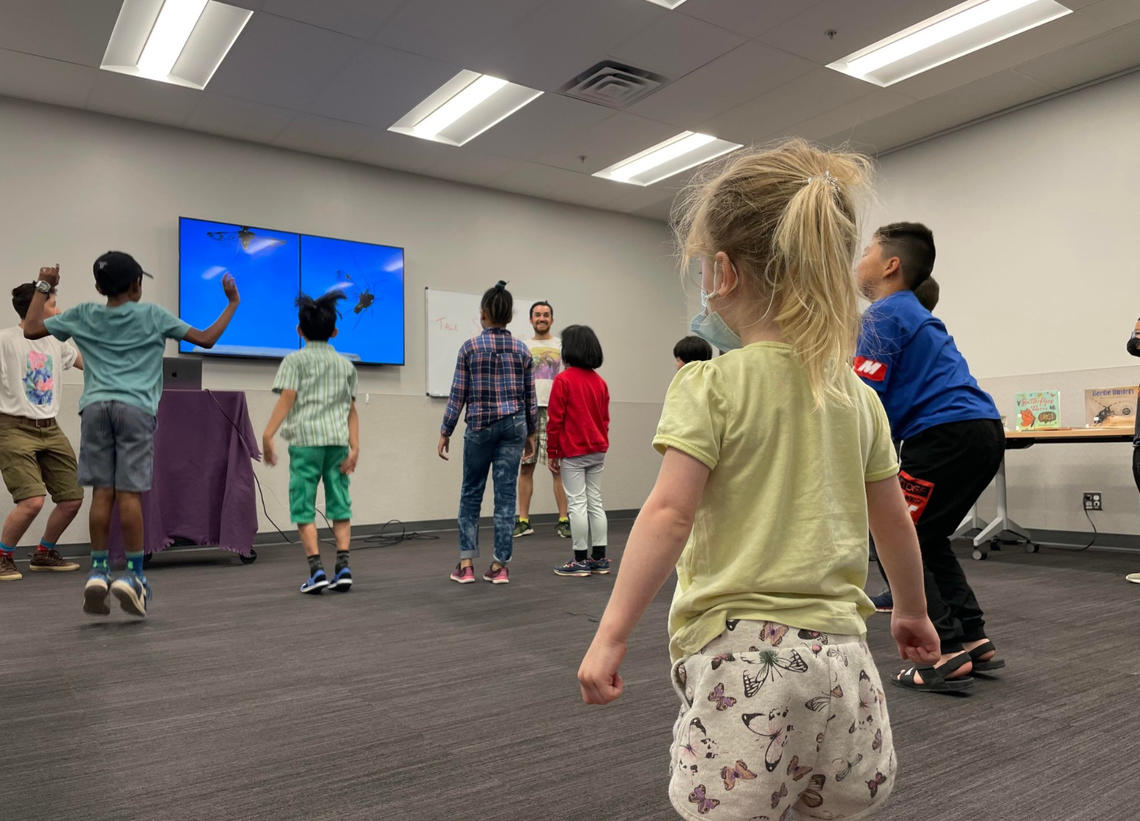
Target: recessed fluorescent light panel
[(956, 32), (665, 159), (669, 4), (463, 108), (173, 41)]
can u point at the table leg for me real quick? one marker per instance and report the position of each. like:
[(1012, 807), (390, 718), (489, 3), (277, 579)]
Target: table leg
[(1001, 523), (971, 523)]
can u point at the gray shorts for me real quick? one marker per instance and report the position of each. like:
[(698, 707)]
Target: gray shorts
[(116, 447)]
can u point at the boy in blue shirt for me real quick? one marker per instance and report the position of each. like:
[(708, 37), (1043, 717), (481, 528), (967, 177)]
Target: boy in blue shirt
[(122, 344), (951, 435)]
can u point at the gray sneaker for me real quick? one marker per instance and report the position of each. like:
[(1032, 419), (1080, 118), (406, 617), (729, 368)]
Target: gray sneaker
[(8, 571), (563, 528)]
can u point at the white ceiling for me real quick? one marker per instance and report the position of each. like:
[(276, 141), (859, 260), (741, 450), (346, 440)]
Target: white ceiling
[(329, 77)]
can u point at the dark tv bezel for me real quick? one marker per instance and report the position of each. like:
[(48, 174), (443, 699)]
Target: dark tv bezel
[(268, 358)]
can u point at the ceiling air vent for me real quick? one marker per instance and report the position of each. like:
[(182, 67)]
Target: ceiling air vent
[(613, 84)]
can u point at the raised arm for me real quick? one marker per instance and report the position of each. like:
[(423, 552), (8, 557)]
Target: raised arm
[(34, 327), (209, 337)]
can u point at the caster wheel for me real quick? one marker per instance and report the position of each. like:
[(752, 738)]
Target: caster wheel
[(250, 559), (980, 555), (1032, 548)]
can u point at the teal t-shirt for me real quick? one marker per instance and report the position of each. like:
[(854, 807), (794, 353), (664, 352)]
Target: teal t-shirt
[(122, 349)]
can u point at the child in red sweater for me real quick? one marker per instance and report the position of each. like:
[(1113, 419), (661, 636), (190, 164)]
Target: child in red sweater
[(577, 438)]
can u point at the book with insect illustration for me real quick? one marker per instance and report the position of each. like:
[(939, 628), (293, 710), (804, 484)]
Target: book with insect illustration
[(1038, 410), (1110, 407)]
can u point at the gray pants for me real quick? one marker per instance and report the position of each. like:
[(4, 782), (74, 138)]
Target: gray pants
[(582, 480)]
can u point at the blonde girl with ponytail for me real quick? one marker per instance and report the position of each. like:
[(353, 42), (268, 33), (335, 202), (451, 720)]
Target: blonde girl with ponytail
[(776, 459)]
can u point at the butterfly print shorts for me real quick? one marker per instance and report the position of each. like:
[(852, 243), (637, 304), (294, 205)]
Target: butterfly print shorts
[(779, 723)]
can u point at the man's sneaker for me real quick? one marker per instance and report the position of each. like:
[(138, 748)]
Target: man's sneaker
[(499, 575), (463, 575), (316, 582), (1133, 577), (8, 571), (95, 594), (599, 567), (50, 561), (563, 528), (342, 580), (522, 528), (132, 592), (573, 569), (884, 602)]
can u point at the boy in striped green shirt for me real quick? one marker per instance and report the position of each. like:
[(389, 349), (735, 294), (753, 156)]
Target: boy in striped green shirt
[(318, 409)]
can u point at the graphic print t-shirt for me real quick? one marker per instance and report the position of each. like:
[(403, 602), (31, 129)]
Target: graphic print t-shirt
[(547, 354), (30, 374)]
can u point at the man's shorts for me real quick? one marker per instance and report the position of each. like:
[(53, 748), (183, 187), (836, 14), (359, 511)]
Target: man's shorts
[(539, 440), (36, 459), (308, 467), (116, 446)]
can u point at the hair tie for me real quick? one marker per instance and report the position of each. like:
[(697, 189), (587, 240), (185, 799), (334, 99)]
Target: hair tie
[(826, 177), (501, 285)]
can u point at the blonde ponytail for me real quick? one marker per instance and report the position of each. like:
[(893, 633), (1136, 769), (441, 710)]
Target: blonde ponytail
[(787, 218)]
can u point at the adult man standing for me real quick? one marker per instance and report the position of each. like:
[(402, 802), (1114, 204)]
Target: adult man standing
[(547, 352), (35, 456)]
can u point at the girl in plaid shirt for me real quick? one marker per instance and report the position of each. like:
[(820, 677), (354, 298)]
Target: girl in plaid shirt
[(494, 378)]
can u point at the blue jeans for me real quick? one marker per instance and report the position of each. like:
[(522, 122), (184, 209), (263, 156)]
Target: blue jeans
[(498, 447)]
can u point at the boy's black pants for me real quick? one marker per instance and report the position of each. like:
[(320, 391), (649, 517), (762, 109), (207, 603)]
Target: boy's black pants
[(943, 471)]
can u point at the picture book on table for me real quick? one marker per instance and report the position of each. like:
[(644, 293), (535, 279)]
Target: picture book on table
[(1038, 410), (1110, 407)]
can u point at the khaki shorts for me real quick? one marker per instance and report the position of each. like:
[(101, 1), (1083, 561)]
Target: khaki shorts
[(36, 459), (778, 722), (539, 440)]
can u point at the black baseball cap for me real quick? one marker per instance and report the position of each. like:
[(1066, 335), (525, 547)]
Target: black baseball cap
[(115, 271)]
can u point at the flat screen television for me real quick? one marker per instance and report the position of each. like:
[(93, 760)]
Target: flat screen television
[(272, 268)]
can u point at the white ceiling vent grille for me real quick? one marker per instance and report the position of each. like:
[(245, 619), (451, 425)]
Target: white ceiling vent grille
[(613, 84)]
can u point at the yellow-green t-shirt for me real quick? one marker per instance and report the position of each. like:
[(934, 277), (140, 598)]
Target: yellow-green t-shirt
[(781, 530)]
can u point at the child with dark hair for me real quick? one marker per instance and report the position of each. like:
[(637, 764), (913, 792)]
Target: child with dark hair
[(318, 408), (577, 438), (691, 349), (494, 378), (122, 343)]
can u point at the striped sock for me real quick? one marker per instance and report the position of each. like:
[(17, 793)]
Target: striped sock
[(5, 549), (45, 545), (135, 563), (98, 561)]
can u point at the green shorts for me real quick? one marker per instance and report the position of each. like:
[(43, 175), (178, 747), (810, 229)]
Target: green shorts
[(308, 466), (36, 459)]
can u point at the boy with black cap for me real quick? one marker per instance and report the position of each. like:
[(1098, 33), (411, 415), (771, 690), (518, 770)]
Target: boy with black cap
[(122, 344)]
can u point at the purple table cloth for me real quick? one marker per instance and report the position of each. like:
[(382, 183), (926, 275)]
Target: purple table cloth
[(203, 488)]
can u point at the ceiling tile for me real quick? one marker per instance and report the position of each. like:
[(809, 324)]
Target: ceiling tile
[(48, 81), (390, 150), (240, 119), (839, 123), (729, 81), (76, 31), (321, 135), (367, 91), (772, 113), (1117, 51), (470, 167), (141, 99), (748, 17), (283, 63), (676, 45), (359, 18), (549, 123), (611, 140)]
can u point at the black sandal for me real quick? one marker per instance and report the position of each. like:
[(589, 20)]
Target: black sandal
[(993, 663), (934, 679)]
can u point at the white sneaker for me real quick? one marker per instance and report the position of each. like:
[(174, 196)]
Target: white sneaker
[(1133, 577)]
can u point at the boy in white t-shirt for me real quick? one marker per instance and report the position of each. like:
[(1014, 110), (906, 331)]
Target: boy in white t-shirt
[(35, 456), (546, 350)]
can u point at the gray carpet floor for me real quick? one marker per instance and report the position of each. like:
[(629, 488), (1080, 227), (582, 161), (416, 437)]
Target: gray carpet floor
[(414, 698)]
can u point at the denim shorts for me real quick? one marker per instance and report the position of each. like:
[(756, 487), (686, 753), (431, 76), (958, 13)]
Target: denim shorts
[(116, 446)]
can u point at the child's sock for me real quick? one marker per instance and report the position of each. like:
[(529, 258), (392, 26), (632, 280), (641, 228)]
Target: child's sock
[(135, 563), (579, 555), (563, 520), (341, 560), (314, 564), (98, 561), (45, 546), (7, 551), (599, 552)]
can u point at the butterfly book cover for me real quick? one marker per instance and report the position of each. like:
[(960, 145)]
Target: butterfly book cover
[(1038, 410), (1110, 407)]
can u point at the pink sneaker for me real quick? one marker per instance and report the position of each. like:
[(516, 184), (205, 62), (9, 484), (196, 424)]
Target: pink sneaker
[(463, 575), (499, 576)]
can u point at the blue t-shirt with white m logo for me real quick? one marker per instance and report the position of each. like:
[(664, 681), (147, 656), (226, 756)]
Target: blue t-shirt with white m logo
[(906, 354)]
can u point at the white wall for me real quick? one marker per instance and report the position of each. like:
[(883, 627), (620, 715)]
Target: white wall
[(1037, 225), (77, 184)]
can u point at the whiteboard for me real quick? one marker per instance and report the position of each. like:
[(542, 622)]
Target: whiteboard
[(452, 318)]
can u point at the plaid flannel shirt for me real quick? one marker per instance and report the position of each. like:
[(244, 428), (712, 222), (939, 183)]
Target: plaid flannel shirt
[(494, 377)]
